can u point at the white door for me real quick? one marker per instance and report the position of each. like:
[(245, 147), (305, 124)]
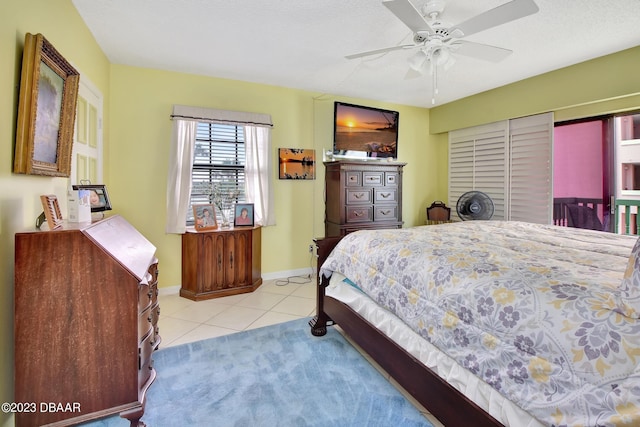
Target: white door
[(86, 163)]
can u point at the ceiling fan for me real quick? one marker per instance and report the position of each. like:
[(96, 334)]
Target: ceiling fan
[(436, 41)]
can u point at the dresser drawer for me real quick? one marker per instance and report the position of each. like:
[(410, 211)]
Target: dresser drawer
[(372, 178), (145, 323), (358, 196), (359, 214), (145, 363), (153, 271), (385, 213), (146, 296), (353, 179), (385, 195), (391, 178)]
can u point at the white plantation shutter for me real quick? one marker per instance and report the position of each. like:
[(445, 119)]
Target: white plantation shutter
[(478, 160), (461, 155), (531, 184), (508, 160)]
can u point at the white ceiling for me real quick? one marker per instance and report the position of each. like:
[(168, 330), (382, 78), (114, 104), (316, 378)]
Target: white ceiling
[(302, 43)]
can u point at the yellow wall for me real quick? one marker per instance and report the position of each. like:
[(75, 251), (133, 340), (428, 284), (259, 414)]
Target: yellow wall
[(142, 102), (137, 133), (600, 86), (20, 194)]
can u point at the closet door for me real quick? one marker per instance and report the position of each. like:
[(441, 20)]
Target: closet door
[(478, 160), (509, 160), (531, 167)]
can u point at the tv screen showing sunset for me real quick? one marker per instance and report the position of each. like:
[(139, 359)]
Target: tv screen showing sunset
[(371, 130)]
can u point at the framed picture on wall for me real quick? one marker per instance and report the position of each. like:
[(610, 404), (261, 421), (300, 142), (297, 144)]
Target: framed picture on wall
[(297, 163), (243, 215), (46, 110)]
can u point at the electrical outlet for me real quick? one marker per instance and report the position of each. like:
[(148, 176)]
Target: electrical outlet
[(310, 249)]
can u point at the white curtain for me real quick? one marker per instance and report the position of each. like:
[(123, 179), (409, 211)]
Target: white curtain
[(179, 176), (258, 174)]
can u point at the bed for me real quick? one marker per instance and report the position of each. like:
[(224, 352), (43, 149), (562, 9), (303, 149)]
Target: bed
[(502, 323)]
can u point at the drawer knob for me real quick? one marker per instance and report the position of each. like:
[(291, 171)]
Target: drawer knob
[(358, 195), (385, 195), (358, 213)]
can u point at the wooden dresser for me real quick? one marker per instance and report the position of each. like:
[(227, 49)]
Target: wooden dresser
[(86, 322), (362, 195), (220, 262)]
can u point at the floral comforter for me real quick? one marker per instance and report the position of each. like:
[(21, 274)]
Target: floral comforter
[(535, 311)]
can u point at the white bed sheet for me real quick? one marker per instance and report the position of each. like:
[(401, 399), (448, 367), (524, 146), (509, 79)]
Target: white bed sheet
[(468, 384)]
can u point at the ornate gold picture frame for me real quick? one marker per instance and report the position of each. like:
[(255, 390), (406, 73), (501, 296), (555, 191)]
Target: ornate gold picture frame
[(46, 110)]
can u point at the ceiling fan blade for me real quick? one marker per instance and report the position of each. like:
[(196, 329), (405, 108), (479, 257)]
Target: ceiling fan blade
[(407, 13), (480, 51), (378, 51), (507, 12)]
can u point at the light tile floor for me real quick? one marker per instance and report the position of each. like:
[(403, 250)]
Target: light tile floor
[(275, 301)]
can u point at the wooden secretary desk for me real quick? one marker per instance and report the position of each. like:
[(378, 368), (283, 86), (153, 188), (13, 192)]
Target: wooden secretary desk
[(86, 321)]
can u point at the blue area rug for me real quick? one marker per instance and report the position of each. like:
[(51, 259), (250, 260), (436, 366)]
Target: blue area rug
[(278, 375)]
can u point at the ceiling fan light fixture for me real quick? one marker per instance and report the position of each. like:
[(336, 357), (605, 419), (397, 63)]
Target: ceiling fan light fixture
[(418, 60), (444, 58), (433, 8)]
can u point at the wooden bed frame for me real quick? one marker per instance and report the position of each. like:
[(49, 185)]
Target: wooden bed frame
[(441, 399)]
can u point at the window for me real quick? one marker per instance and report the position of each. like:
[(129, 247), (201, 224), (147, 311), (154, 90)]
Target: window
[(219, 160)]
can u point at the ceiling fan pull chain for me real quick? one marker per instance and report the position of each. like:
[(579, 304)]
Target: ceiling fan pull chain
[(434, 73)]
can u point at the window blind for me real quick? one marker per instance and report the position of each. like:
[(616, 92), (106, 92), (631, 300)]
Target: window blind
[(219, 160)]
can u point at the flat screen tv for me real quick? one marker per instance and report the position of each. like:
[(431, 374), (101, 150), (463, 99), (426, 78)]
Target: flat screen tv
[(364, 132)]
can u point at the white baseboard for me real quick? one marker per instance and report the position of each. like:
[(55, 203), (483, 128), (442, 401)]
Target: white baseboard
[(288, 273), (171, 290)]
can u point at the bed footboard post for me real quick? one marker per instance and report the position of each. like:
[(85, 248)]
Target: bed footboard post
[(323, 249), (319, 322)]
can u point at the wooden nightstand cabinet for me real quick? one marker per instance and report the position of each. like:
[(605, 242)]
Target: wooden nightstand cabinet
[(362, 195), (218, 263)]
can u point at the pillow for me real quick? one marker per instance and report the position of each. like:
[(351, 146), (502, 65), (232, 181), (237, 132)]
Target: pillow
[(630, 286)]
